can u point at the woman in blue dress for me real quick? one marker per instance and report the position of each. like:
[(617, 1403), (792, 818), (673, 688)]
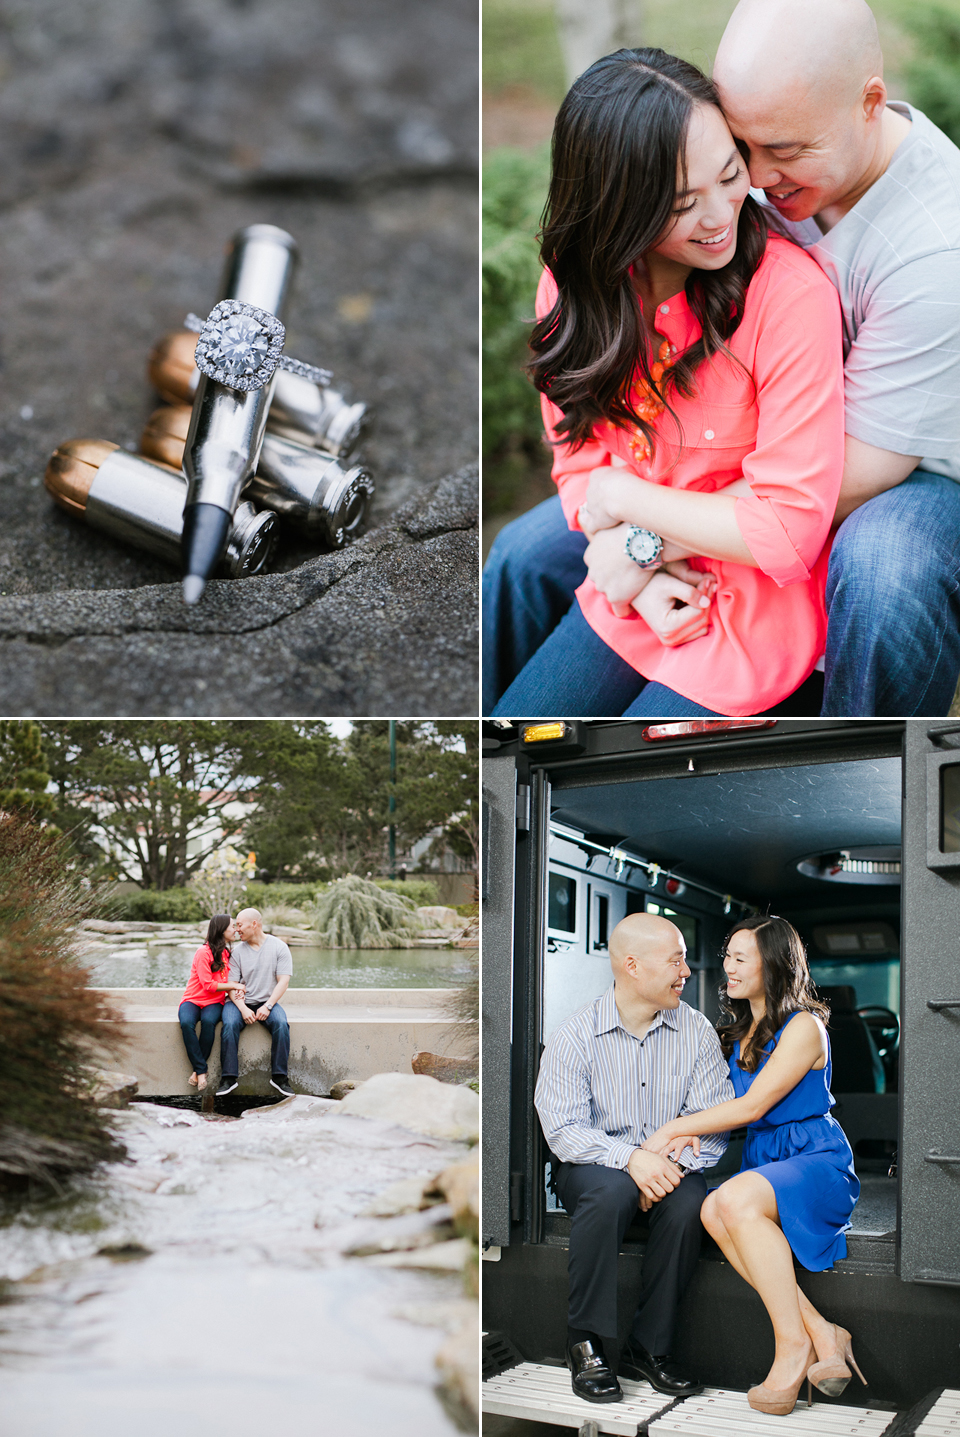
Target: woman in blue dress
[(796, 1188)]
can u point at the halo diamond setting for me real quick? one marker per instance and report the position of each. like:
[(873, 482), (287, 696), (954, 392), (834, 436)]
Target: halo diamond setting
[(241, 346)]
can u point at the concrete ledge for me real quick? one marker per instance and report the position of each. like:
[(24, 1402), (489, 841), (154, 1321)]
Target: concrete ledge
[(335, 1034)]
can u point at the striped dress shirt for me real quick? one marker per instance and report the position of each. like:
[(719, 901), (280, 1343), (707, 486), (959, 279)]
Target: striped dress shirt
[(601, 1091)]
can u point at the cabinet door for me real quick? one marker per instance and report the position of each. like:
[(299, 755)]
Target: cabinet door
[(929, 1160)]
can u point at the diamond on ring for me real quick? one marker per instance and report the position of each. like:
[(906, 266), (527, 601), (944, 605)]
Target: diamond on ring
[(241, 346)]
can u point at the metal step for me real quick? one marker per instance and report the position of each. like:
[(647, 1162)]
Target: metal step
[(540, 1393), (718, 1412), (943, 1419)]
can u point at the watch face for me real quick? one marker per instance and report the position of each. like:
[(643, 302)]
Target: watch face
[(643, 546)]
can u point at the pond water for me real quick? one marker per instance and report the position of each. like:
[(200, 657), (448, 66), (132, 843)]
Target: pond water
[(169, 967), (205, 1285)]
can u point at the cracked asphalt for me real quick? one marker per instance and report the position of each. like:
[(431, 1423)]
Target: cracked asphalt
[(138, 135)]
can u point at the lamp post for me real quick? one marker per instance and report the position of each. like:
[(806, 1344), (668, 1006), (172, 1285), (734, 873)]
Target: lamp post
[(393, 798)]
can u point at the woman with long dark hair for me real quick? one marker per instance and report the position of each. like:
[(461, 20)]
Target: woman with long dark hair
[(690, 368), (796, 1187), (202, 1000)]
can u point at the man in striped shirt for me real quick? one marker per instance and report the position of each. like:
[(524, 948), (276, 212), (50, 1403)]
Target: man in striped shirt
[(633, 1059)]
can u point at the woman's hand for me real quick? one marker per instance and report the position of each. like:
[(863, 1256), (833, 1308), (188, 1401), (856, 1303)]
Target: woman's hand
[(613, 572), (677, 611), (599, 510), (666, 1142)]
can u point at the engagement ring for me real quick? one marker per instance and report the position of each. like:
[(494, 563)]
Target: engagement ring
[(241, 346)]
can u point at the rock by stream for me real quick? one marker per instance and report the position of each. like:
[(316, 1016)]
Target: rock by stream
[(208, 1282)]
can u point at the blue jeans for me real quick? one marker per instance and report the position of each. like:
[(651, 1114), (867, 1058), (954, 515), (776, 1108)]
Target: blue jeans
[(208, 1018), (893, 640), (230, 1037), (893, 604), (574, 672)]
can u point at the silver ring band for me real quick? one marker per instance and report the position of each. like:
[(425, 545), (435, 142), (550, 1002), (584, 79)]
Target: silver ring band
[(312, 372)]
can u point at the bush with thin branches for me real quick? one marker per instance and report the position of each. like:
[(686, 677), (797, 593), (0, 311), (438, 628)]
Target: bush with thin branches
[(50, 1020), (355, 913)]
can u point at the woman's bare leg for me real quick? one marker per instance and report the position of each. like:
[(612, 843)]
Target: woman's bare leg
[(747, 1207), (821, 1332)]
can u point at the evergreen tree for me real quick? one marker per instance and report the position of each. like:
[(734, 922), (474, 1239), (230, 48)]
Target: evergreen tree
[(23, 775)]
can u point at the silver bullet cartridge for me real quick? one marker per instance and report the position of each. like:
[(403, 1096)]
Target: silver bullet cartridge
[(141, 502), (227, 425), (313, 491), (301, 410)]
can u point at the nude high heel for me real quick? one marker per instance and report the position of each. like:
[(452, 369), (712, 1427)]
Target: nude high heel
[(832, 1375), (779, 1402)]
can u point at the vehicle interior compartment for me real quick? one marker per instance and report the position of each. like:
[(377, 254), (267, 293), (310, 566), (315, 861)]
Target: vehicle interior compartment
[(818, 844)]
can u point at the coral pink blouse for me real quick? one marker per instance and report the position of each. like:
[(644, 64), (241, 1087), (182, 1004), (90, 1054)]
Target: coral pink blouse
[(779, 425), (201, 985)]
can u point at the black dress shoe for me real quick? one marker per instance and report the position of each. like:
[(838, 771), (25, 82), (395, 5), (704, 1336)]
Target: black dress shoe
[(590, 1377), (638, 1365)]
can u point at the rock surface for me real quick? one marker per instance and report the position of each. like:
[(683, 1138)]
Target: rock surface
[(445, 1070), (419, 1103), (137, 138)]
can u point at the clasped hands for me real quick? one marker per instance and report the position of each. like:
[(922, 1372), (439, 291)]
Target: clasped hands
[(674, 600), (653, 1166)]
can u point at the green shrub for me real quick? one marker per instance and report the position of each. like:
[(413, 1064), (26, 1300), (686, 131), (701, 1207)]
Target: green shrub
[(468, 910), (422, 892), (933, 76), (514, 191), (356, 913), (50, 1021), (275, 895), (150, 905)]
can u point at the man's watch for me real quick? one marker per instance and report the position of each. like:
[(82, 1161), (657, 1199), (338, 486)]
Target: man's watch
[(643, 546)]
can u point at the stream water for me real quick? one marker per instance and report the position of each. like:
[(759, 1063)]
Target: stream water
[(204, 1286), (169, 967)]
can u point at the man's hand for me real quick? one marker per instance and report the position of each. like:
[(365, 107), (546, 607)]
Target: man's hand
[(262, 1014), (675, 610), (247, 1014), (654, 1175)]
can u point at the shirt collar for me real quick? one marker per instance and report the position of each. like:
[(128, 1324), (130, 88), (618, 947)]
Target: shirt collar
[(608, 1015)]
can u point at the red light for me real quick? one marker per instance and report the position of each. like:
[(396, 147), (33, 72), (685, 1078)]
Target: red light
[(673, 886), (657, 731)]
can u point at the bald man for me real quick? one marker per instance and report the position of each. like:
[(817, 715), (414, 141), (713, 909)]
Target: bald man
[(265, 966), (872, 190), (629, 1061)]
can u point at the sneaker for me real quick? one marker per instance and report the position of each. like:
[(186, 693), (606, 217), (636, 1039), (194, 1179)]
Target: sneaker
[(279, 1081), (227, 1085)]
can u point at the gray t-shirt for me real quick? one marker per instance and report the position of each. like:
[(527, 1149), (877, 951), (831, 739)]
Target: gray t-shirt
[(259, 968), (895, 260)]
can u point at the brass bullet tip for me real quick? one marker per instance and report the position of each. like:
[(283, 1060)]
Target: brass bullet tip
[(72, 469), (165, 434), (171, 369)]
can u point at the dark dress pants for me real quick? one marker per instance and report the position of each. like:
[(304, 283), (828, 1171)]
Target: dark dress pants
[(601, 1203)]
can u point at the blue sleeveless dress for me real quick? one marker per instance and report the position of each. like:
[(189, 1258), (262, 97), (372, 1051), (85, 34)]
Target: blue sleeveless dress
[(804, 1154)]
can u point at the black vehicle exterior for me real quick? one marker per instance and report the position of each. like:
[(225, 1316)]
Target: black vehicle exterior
[(598, 783)]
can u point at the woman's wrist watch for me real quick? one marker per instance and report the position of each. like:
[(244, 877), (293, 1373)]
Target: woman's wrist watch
[(643, 546)]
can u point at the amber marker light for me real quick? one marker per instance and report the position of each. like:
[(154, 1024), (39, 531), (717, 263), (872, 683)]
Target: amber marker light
[(541, 732)]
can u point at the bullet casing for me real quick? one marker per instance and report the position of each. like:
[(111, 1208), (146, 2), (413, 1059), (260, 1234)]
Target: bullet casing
[(227, 425), (300, 410), (310, 489), (141, 502)]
